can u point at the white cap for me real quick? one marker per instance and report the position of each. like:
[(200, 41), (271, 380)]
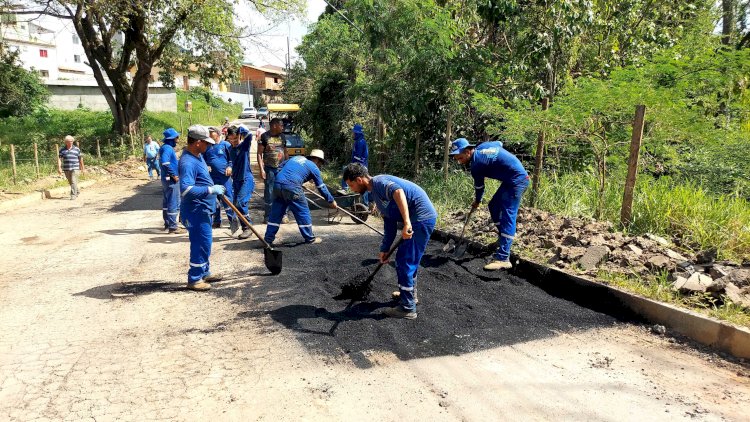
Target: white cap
[(317, 153), (200, 133)]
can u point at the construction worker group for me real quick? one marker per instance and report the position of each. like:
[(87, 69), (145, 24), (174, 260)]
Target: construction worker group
[(210, 168)]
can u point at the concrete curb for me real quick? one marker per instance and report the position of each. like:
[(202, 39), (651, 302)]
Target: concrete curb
[(31, 198), (611, 300)]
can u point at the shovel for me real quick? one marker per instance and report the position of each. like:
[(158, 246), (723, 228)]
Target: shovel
[(360, 289), (271, 256), (459, 248), (354, 217)]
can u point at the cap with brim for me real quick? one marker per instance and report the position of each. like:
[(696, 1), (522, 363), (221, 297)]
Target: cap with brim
[(214, 129), (357, 129), (199, 133), (316, 153), (459, 145), (170, 133)]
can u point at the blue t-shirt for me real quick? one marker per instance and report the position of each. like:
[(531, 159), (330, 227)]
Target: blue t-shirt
[(194, 184), (217, 158), (491, 160), (240, 156), (418, 203), (298, 170), (151, 149)]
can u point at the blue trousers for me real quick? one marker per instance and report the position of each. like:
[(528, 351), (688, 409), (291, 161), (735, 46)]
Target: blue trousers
[(241, 192), (170, 204), (504, 210), (271, 173), (289, 198), (153, 165), (201, 237), (408, 256), (227, 183)]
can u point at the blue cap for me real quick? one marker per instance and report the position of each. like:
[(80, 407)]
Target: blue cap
[(358, 128), (459, 145), (171, 134)]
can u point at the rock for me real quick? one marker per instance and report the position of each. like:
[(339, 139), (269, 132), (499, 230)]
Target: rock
[(696, 283), (658, 239), (548, 244), (738, 296), (674, 255), (635, 249), (593, 256), (597, 240), (657, 262), (717, 286), (571, 240), (142, 168), (717, 271), (706, 256), (740, 277), (645, 244), (542, 216), (659, 329), (686, 266)]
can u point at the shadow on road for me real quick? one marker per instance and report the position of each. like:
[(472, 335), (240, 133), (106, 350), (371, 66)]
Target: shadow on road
[(125, 290)]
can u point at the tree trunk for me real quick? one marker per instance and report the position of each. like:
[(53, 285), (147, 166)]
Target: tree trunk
[(448, 135), (727, 24), (416, 153)]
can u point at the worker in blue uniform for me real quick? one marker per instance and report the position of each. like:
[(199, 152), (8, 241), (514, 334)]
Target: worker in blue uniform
[(242, 175), (170, 181), (288, 194), (220, 169), (360, 154), (399, 201), (491, 160), (199, 194)]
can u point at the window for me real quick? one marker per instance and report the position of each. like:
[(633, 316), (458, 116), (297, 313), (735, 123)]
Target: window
[(76, 58), (44, 73), (76, 40), (9, 19), (275, 80), (42, 53)]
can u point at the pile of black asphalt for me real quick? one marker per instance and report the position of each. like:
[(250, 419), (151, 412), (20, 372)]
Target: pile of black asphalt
[(462, 308)]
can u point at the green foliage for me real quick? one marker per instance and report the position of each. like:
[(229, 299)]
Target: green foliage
[(21, 91)]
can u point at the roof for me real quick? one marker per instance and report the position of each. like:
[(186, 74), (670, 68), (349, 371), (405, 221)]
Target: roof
[(267, 69), (283, 107)]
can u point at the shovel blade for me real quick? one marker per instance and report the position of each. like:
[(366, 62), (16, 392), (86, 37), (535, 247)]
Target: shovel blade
[(450, 246), (272, 259), (460, 250)]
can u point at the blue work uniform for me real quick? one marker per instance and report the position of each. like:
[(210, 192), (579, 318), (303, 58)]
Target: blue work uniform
[(288, 194), (151, 151), (197, 209), (423, 218), (217, 159), (491, 160), (360, 154), (243, 183), (170, 189)]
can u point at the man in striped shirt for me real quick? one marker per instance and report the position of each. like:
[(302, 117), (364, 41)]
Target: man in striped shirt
[(70, 161)]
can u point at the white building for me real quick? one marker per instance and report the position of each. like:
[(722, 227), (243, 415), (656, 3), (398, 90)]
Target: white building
[(47, 45)]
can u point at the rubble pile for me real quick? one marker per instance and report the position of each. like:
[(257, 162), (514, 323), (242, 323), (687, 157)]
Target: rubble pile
[(587, 246)]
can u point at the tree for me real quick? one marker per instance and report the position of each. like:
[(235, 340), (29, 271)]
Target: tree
[(124, 41), (21, 91)]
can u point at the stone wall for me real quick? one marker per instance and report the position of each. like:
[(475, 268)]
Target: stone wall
[(67, 95)]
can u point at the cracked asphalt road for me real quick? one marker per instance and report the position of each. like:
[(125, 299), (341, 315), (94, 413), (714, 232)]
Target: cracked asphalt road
[(95, 324)]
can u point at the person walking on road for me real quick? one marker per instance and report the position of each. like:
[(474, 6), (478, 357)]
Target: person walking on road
[(150, 157), (198, 201), (243, 183), (271, 153), (288, 194), (220, 169), (70, 162), (399, 201), (490, 159), (170, 181)]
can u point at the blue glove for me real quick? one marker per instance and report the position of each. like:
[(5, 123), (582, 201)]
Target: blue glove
[(217, 190)]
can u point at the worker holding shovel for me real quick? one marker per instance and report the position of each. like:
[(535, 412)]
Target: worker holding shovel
[(243, 183), (289, 194), (490, 159), (198, 202), (398, 200)]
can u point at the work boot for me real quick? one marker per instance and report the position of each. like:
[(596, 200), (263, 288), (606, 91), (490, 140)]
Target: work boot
[(399, 312), (314, 241), (496, 264), (213, 278), (245, 234), (199, 286), (177, 231), (285, 220), (397, 295), (216, 225), (234, 225)]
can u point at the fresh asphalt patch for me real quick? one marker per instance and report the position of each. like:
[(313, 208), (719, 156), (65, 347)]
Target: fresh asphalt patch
[(462, 308)]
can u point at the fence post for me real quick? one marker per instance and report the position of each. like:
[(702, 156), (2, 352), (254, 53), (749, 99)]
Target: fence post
[(36, 160), (448, 135), (539, 158), (635, 146), (13, 161), (55, 153), (98, 150)]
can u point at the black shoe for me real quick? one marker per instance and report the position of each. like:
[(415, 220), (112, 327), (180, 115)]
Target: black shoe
[(216, 225)]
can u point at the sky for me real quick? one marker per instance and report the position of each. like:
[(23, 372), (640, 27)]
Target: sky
[(271, 46)]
